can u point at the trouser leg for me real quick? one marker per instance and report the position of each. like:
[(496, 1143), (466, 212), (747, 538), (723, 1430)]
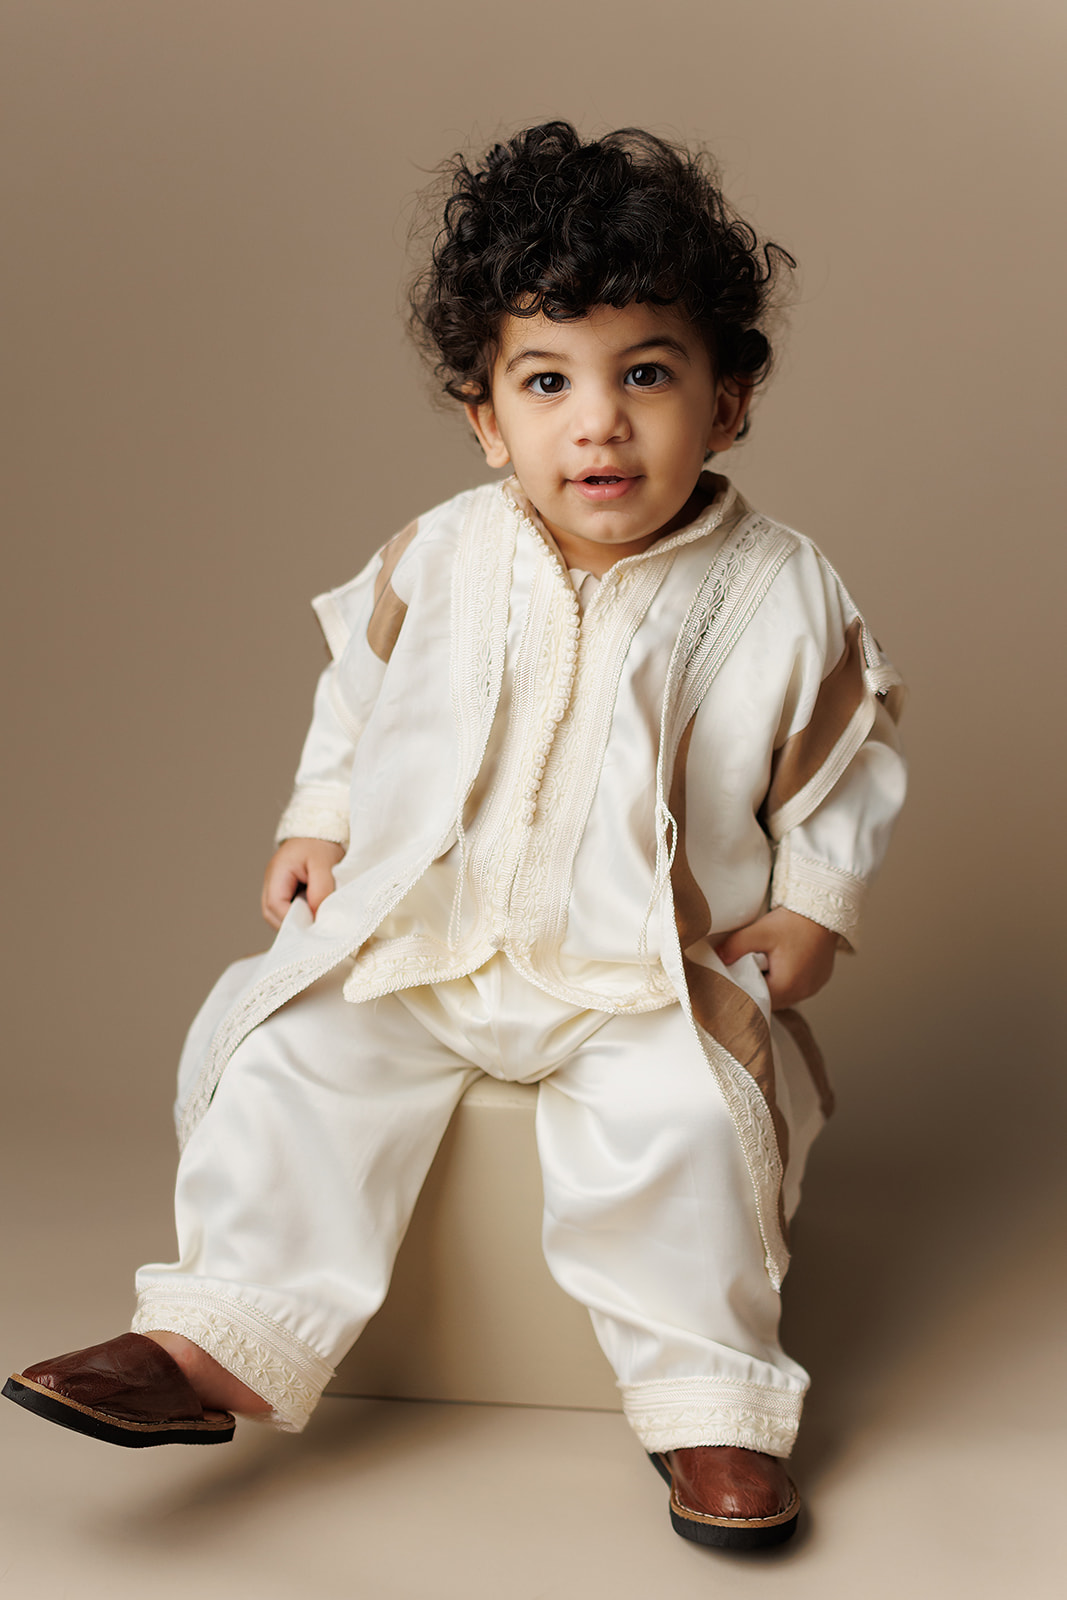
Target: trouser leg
[(650, 1221), (296, 1187)]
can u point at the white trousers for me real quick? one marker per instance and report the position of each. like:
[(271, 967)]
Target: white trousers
[(295, 1190)]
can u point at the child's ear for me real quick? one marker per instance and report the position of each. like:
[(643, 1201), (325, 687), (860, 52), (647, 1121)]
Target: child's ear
[(483, 420), (731, 407)]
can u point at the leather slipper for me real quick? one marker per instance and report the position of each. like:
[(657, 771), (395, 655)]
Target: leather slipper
[(728, 1533), (127, 1391)]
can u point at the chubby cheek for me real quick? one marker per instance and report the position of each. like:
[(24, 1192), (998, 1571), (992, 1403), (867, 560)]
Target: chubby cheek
[(535, 466)]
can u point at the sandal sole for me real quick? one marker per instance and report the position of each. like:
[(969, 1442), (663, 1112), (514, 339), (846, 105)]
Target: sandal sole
[(113, 1430)]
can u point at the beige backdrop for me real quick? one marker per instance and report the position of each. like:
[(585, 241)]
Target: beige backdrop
[(213, 414)]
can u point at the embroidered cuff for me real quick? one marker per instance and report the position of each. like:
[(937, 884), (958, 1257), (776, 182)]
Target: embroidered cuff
[(265, 1356), (316, 811), (828, 895), (678, 1413)]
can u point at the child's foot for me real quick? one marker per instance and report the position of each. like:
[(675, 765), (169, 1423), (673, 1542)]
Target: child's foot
[(215, 1387), (128, 1391), (727, 1496)]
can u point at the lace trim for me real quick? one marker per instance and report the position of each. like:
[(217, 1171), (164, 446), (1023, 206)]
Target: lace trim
[(565, 699), (408, 962), (481, 586), (733, 587), (255, 1348), (749, 1110), (268, 995), (744, 567), (545, 668), (520, 854), (675, 1414), (315, 812), (416, 959), (541, 901), (755, 1129), (828, 895)]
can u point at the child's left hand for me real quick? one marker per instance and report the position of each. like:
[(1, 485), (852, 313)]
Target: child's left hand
[(800, 954)]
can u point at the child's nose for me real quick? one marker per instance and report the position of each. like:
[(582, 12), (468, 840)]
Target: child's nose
[(600, 417)]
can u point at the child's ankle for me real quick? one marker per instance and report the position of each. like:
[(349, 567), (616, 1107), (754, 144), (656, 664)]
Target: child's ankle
[(216, 1389)]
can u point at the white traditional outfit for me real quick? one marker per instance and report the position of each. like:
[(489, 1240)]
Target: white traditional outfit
[(556, 802)]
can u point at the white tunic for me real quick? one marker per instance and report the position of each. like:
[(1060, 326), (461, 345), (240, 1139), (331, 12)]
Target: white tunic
[(601, 795)]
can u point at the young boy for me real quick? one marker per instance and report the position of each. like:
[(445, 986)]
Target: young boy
[(595, 781)]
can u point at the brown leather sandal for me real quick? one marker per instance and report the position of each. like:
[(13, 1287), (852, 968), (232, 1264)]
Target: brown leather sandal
[(127, 1391), (730, 1532)]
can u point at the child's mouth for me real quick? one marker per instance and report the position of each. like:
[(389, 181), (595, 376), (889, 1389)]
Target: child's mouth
[(603, 485)]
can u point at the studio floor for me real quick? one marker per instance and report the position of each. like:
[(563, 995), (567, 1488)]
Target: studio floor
[(395, 1500)]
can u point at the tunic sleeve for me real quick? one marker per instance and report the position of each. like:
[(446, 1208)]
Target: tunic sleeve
[(361, 623), (824, 864), (838, 777), (319, 805)]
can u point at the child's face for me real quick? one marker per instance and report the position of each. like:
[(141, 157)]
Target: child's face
[(606, 421)]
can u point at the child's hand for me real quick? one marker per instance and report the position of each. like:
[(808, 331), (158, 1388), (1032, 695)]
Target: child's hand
[(800, 954), (296, 864)]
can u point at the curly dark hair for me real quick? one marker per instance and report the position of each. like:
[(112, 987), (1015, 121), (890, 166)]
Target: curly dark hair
[(550, 224)]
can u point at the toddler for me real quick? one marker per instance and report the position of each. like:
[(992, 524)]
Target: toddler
[(594, 785)]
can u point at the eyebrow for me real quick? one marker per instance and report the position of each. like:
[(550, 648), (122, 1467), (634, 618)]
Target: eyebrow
[(660, 343)]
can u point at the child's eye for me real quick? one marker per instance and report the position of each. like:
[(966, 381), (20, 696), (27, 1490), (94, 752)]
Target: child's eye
[(547, 383), (647, 376)]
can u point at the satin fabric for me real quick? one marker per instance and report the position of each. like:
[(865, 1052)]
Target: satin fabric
[(296, 1188)]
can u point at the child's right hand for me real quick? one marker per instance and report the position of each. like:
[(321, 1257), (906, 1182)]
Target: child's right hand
[(298, 864)]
